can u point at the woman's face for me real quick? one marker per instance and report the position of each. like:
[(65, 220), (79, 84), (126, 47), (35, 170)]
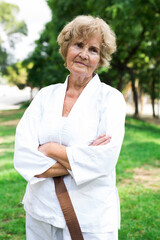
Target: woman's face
[(83, 56)]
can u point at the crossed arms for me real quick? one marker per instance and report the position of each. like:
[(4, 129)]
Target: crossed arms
[(58, 152)]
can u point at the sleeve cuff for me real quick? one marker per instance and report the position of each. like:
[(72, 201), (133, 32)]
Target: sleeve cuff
[(70, 172), (34, 180)]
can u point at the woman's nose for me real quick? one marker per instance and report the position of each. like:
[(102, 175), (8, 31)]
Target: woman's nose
[(84, 53)]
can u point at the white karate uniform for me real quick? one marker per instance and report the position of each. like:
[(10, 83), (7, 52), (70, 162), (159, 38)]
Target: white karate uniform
[(38, 230), (91, 184)]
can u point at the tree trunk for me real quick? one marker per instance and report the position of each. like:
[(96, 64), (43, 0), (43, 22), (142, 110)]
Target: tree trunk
[(153, 98), (141, 101), (153, 109), (135, 95), (31, 93), (120, 84)]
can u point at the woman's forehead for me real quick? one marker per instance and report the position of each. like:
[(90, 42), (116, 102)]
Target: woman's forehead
[(95, 38)]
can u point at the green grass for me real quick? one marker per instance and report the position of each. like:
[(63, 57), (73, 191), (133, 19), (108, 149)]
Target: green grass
[(140, 201), (140, 204), (12, 186), (141, 146)]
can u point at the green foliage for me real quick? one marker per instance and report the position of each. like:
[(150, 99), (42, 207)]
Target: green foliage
[(17, 75), (11, 27), (8, 19), (48, 66), (3, 59), (6, 14), (140, 208)]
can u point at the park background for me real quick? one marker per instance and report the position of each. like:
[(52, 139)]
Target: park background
[(134, 70)]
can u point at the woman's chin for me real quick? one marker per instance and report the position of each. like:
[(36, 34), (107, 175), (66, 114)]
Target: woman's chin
[(80, 72)]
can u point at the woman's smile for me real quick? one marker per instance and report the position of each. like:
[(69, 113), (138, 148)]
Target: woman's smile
[(81, 63)]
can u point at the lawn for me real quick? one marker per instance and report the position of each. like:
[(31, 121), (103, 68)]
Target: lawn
[(138, 181), (12, 186)]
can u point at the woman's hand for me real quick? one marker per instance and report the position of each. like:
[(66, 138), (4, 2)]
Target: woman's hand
[(57, 152), (44, 149), (101, 140)]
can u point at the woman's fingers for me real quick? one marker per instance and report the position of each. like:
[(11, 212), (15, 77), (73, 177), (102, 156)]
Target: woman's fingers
[(101, 140), (105, 142)]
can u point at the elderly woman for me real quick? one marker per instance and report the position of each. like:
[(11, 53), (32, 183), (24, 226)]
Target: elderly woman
[(74, 130)]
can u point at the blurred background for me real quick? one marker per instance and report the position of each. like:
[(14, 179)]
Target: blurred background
[(29, 58)]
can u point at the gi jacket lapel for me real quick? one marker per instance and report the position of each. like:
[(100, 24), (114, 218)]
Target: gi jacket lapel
[(88, 93)]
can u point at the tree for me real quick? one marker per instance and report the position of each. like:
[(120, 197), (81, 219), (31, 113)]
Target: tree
[(11, 29), (17, 75), (3, 59), (150, 82), (47, 63), (135, 23)]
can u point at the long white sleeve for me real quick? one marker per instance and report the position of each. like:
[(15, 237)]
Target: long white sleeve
[(90, 162), (28, 161)]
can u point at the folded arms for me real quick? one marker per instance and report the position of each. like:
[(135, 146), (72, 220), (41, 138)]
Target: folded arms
[(58, 152)]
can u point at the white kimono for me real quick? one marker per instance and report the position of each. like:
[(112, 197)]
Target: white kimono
[(92, 182)]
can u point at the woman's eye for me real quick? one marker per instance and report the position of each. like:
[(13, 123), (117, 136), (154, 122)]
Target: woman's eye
[(93, 49), (80, 45)]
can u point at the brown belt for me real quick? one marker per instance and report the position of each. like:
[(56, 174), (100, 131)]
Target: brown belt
[(67, 209)]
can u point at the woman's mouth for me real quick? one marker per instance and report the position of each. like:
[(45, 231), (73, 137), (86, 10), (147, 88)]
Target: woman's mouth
[(81, 63)]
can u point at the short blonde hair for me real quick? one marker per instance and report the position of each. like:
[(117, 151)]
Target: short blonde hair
[(82, 27)]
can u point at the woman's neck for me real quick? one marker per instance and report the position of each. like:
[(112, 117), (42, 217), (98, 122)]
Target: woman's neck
[(77, 83)]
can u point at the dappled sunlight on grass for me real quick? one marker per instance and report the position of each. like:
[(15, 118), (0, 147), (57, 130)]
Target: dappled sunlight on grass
[(147, 177)]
